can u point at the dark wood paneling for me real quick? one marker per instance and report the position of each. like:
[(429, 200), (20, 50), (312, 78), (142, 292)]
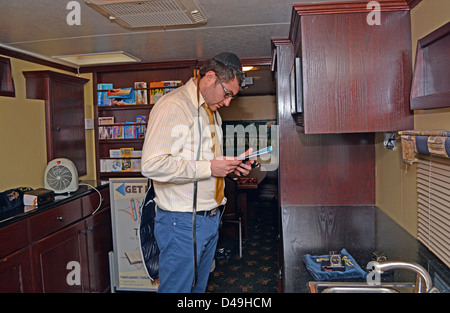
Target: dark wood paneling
[(327, 169), (351, 6), (52, 220), (15, 273), (99, 241), (335, 169), (51, 255), (357, 77), (320, 229), (14, 237)]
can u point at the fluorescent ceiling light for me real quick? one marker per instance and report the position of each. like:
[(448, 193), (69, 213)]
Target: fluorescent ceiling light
[(98, 58)]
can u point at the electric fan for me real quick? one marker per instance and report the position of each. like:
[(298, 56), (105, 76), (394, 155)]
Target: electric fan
[(61, 176)]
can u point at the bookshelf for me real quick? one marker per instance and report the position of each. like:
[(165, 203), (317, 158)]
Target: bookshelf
[(128, 116)]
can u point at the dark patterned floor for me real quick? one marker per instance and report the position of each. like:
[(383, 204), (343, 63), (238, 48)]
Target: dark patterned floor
[(257, 270)]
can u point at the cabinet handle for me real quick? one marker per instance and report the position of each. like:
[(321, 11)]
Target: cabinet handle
[(60, 218), (84, 232), (91, 228)]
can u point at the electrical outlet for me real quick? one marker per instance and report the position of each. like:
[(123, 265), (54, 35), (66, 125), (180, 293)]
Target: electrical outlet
[(88, 123)]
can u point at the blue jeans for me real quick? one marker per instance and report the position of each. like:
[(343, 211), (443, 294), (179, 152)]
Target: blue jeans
[(173, 232)]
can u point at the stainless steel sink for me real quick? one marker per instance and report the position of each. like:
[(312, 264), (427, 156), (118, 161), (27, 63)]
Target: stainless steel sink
[(359, 287), (423, 283)]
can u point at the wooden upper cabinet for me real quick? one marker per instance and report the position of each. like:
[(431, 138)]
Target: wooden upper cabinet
[(351, 76), (6, 79), (64, 110), (431, 81)]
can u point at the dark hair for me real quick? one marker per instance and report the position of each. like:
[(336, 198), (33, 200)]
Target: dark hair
[(224, 72)]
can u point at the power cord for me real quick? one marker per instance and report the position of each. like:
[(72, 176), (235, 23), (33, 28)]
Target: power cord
[(101, 198)]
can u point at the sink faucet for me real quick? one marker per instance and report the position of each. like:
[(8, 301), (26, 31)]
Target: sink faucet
[(423, 279)]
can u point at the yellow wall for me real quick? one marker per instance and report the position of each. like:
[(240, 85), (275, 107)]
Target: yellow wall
[(395, 181), (250, 108), (23, 155)]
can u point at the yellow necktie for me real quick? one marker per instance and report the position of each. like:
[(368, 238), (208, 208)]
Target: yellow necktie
[(219, 192)]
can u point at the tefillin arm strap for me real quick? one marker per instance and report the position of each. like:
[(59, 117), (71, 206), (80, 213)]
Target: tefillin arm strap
[(194, 205)]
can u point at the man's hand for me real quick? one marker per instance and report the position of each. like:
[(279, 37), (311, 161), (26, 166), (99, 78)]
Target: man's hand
[(223, 167)]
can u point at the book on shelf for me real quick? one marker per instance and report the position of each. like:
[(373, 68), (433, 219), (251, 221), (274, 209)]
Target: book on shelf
[(129, 131), (120, 165), (172, 83), (108, 120), (117, 132), (159, 84), (127, 165), (126, 152), (114, 153), (122, 96), (102, 94), (116, 165), (156, 94), (141, 92), (158, 89), (104, 132), (136, 153), (136, 165), (141, 119), (140, 131), (122, 131)]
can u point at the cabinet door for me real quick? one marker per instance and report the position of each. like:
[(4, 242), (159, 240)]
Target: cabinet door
[(64, 114), (356, 77), (99, 241), (67, 114), (50, 261), (15, 275)]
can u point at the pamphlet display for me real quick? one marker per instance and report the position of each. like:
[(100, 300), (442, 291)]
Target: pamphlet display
[(127, 269)]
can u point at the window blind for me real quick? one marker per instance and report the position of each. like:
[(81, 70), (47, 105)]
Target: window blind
[(433, 188)]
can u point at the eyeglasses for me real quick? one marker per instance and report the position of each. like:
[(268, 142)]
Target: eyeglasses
[(227, 94)]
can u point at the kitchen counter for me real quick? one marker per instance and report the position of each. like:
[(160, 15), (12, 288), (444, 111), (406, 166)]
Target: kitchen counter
[(19, 213), (38, 245), (361, 230)]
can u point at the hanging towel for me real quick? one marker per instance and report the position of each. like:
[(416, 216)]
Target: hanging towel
[(352, 269)]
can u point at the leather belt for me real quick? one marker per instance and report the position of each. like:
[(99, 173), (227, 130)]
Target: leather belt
[(209, 213)]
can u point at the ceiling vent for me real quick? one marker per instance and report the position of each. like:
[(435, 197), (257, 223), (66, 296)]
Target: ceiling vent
[(150, 13)]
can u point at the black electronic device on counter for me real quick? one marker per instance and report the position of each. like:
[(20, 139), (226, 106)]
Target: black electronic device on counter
[(38, 196)]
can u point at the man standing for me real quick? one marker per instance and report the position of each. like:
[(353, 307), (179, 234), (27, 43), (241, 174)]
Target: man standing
[(182, 154)]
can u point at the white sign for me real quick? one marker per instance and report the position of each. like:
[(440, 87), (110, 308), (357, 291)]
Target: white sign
[(127, 268)]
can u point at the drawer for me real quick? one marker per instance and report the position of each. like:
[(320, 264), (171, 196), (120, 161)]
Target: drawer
[(13, 237), (53, 219), (91, 202)]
